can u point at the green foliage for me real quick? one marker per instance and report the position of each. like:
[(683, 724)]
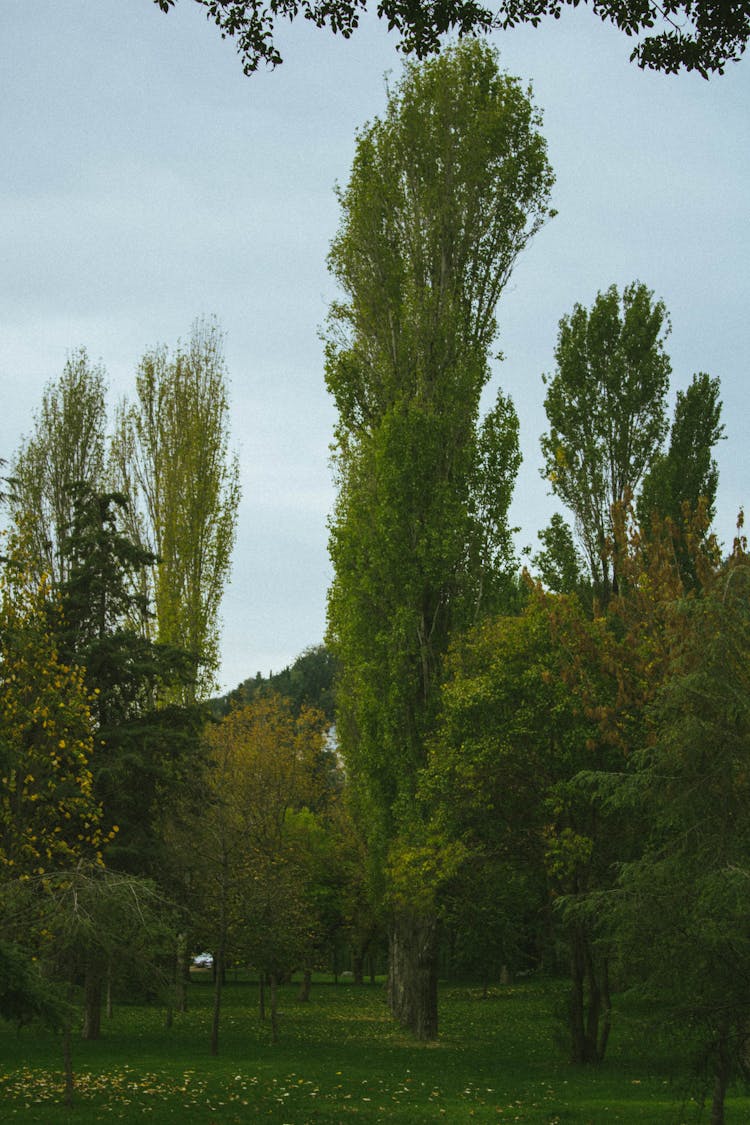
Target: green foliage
[(24, 993), (675, 35), (606, 406), (606, 409), (65, 450), (686, 475), (252, 22), (90, 915), (147, 753), (252, 857), (307, 682), (498, 461), (544, 717), (170, 456), (560, 565), (509, 739), (445, 191), (487, 913), (419, 867), (49, 813), (100, 734), (680, 912)]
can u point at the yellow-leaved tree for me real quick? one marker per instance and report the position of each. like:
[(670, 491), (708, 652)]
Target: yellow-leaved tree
[(49, 818), (249, 842)]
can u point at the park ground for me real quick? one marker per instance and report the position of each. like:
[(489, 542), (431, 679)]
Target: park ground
[(340, 1057)]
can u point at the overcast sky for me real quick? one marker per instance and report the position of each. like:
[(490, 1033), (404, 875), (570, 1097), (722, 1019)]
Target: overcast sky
[(145, 181)]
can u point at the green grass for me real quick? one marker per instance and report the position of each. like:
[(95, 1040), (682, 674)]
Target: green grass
[(341, 1058)]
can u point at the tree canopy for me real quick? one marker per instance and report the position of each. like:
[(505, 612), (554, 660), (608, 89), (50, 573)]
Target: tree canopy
[(675, 35)]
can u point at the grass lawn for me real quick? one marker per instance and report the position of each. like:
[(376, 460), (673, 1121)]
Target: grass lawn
[(340, 1057)]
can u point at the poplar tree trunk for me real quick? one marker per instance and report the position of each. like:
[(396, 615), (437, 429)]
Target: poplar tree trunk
[(412, 973)]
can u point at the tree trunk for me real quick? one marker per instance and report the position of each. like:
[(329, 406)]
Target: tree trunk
[(721, 1075), (220, 953), (305, 985), (181, 971), (601, 1047), (576, 1007), (412, 973), (218, 985), (358, 965), (92, 1003), (274, 1010), (590, 1010), (262, 995), (68, 1054), (108, 999), (593, 1004)]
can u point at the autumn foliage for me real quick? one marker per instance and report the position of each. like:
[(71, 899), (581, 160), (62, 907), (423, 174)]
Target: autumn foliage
[(48, 815)]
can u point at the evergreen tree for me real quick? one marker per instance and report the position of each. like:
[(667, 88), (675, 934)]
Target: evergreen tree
[(147, 747)]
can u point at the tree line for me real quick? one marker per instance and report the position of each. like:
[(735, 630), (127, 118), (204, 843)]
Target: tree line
[(114, 565), (530, 767), (142, 820), (547, 764)]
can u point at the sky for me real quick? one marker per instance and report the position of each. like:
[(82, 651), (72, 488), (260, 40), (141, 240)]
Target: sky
[(146, 182)]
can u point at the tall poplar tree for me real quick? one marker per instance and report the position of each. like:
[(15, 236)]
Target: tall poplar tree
[(170, 455), (66, 448), (687, 470), (445, 191), (606, 407)]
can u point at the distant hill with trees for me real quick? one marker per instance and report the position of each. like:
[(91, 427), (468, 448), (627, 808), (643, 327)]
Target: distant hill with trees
[(308, 681)]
